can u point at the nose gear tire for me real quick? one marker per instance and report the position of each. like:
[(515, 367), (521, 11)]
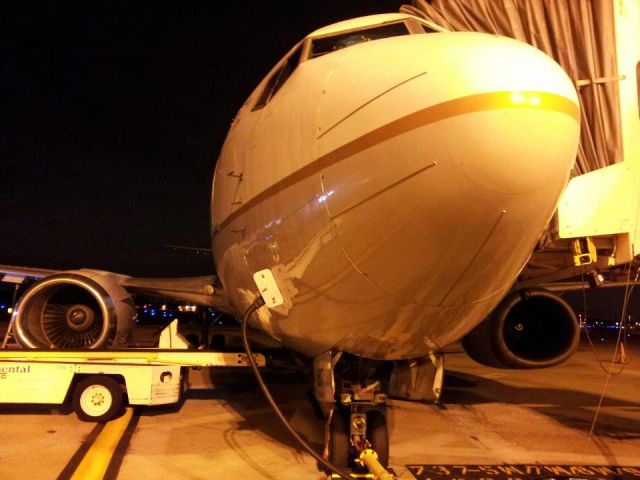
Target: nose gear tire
[(339, 439)]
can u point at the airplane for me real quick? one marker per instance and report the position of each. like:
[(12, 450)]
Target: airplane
[(382, 188)]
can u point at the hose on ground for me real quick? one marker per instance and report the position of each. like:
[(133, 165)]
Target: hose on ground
[(259, 302)]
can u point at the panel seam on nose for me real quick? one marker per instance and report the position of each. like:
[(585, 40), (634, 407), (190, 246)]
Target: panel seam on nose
[(369, 102)]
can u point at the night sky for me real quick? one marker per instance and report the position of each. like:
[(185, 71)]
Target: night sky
[(113, 117)]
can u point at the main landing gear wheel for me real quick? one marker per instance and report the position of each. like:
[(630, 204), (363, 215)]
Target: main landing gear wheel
[(378, 435), (97, 399), (339, 439)]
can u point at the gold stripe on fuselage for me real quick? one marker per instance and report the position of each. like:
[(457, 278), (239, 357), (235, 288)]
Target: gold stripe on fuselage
[(525, 100)]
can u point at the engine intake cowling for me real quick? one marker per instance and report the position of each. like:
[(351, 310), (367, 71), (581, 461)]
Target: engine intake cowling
[(528, 329), (75, 309)]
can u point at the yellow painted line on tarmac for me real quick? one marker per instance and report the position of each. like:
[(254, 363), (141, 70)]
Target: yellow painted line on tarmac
[(96, 461)]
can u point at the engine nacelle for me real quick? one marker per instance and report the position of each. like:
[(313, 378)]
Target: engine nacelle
[(75, 309), (528, 329)]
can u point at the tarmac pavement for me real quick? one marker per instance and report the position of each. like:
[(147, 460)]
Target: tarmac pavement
[(487, 417)]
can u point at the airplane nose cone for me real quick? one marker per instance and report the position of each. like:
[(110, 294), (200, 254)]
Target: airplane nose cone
[(452, 169), (488, 90), (520, 130), (515, 142)]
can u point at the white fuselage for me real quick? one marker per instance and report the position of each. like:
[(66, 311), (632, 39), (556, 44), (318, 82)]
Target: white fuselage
[(395, 187)]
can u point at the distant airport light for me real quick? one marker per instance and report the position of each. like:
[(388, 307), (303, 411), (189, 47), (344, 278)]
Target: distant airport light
[(187, 308)]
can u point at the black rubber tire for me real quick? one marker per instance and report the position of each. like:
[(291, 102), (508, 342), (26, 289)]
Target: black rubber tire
[(339, 439), (102, 392), (378, 435)]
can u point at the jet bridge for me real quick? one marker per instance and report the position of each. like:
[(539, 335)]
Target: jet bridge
[(605, 203)]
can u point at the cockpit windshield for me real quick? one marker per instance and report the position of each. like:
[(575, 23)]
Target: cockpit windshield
[(322, 46)]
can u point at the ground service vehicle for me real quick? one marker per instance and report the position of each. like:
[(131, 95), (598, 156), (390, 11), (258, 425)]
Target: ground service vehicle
[(99, 382)]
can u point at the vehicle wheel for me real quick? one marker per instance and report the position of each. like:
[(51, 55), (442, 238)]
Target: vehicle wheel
[(97, 399), (339, 439), (378, 435)]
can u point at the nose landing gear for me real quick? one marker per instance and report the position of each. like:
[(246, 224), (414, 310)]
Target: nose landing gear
[(355, 415), (354, 428), (358, 426), (348, 391)]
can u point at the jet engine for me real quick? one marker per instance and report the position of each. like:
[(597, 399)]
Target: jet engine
[(75, 309), (528, 329)]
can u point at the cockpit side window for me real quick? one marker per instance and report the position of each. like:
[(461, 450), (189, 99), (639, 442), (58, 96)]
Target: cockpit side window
[(277, 78), (322, 46)]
